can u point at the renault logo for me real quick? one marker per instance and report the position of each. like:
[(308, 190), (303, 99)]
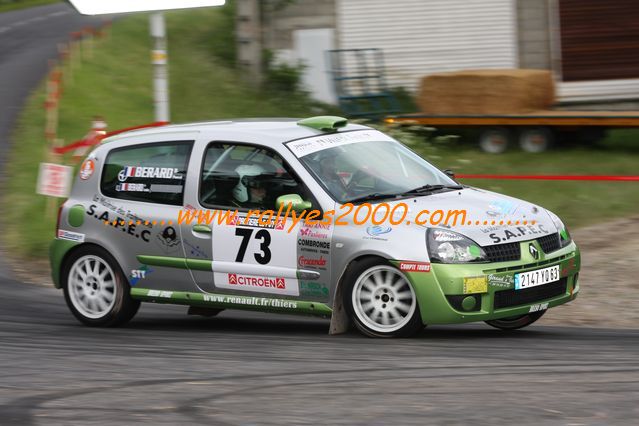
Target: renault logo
[(533, 251)]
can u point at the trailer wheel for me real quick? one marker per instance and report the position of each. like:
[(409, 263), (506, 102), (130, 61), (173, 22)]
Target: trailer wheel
[(536, 139), (494, 140)]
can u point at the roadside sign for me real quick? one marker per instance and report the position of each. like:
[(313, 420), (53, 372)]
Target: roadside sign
[(97, 7), (54, 180)]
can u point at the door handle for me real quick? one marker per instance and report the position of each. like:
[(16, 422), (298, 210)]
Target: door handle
[(202, 229)]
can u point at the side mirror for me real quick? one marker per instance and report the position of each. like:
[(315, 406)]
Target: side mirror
[(449, 173), (296, 202)]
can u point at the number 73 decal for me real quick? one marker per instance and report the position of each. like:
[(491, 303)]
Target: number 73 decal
[(262, 257), (253, 259)]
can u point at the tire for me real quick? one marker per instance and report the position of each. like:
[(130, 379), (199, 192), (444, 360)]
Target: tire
[(536, 139), (494, 140), (513, 323), (96, 290), (380, 300)]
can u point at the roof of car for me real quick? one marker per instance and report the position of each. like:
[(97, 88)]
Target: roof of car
[(271, 130)]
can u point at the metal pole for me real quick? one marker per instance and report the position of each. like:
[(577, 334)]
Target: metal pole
[(160, 67)]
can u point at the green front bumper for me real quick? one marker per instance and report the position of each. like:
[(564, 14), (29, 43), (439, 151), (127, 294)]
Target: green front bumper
[(440, 291)]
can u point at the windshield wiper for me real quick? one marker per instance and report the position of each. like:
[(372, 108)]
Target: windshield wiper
[(422, 190), (371, 197), (428, 188)]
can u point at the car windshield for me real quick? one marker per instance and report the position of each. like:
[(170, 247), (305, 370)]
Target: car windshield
[(374, 170)]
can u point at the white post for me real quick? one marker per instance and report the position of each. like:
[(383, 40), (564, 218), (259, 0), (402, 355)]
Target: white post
[(160, 67)]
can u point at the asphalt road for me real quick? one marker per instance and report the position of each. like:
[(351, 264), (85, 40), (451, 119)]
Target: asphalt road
[(28, 39), (168, 368), (246, 369)]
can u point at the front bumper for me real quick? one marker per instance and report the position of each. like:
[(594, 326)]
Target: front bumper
[(440, 292)]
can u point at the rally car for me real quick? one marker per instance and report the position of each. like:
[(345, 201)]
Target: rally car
[(167, 215)]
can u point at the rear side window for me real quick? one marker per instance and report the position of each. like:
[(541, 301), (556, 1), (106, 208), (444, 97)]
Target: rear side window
[(153, 173)]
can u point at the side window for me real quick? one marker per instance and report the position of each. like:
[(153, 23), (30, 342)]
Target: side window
[(153, 173), (246, 176)]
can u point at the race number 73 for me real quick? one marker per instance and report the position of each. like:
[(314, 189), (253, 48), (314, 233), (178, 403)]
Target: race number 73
[(262, 257)]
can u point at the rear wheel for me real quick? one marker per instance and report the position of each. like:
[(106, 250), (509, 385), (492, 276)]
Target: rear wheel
[(381, 301), (513, 323), (96, 290)]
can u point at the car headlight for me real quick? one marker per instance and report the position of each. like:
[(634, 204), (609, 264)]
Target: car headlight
[(450, 247), (564, 235)]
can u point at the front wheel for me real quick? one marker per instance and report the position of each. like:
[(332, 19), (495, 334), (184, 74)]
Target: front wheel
[(513, 323), (381, 301), (96, 290)]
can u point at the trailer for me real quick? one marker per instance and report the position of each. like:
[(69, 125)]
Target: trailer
[(534, 131), (359, 80)]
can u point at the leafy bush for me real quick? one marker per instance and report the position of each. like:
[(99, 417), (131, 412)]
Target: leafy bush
[(281, 76)]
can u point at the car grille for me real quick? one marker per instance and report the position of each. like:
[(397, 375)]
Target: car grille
[(508, 298), (549, 243), (503, 252), (512, 251)]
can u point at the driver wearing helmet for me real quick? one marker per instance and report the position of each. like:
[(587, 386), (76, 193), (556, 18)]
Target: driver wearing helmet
[(250, 190), (327, 172)]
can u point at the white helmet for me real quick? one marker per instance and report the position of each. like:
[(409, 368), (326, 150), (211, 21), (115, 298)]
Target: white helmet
[(246, 172)]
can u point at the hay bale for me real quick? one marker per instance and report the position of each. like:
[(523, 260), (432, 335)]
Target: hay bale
[(509, 91)]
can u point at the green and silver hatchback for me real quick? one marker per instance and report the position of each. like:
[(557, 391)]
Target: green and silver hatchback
[(316, 217)]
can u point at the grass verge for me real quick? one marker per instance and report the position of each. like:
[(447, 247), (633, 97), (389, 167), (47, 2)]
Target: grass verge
[(578, 203)]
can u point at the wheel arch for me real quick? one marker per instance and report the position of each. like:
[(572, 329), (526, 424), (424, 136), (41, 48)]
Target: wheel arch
[(119, 310), (340, 322), (60, 255)]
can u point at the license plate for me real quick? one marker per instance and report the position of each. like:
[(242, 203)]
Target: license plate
[(535, 278)]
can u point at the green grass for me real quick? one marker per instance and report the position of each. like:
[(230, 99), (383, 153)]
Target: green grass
[(578, 203), (8, 5), (116, 83)]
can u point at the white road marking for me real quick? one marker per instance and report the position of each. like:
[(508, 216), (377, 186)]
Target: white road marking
[(36, 19), (31, 20), (62, 12)]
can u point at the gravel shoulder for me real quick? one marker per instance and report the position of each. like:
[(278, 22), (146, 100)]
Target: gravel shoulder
[(609, 279)]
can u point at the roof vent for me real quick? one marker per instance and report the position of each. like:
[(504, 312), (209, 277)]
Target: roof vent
[(325, 123)]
